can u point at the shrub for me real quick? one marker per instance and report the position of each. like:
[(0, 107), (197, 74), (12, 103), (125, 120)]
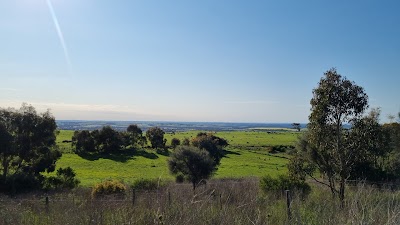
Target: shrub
[(175, 142), (147, 184), (193, 163), (109, 187), (282, 183), (65, 179), (186, 141)]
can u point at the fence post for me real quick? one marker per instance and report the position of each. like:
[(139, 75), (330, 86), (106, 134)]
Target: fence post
[(169, 197), (220, 200), (133, 196), (47, 203), (288, 203)]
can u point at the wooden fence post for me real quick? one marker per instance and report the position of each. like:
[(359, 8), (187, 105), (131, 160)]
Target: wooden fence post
[(47, 204), (288, 204), (169, 197), (133, 196)]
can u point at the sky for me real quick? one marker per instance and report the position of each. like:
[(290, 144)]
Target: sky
[(179, 60)]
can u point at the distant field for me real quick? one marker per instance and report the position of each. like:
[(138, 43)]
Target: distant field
[(240, 139), (246, 156)]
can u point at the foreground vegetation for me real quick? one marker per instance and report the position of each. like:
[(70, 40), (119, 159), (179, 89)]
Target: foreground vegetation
[(220, 202)]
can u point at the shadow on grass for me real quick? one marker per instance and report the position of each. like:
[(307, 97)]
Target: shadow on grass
[(228, 152), (119, 156)]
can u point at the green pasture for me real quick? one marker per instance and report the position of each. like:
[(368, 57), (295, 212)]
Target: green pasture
[(246, 156), (240, 139)]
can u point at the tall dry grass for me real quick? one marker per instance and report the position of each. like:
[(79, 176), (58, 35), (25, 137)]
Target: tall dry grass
[(218, 202)]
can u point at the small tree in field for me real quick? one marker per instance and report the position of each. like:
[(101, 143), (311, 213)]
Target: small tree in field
[(134, 136), (296, 126), (175, 142), (192, 163), (212, 144), (156, 137)]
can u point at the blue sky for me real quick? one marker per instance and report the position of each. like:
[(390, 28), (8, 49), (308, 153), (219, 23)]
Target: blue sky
[(230, 61)]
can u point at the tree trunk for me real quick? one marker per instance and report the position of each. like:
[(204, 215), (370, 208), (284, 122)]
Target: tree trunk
[(341, 192), (5, 168)]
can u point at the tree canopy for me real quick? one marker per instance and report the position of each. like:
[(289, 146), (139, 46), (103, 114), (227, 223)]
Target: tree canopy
[(27, 146), (193, 163), (329, 146), (212, 144), (156, 137)]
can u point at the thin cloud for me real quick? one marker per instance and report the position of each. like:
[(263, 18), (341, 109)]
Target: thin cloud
[(252, 102), (9, 89)]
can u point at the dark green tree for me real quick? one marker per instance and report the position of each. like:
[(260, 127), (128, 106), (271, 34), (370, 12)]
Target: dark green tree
[(296, 126), (175, 142), (83, 141), (212, 144), (156, 137), (192, 163), (28, 146), (186, 141), (64, 179), (135, 136), (109, 140)]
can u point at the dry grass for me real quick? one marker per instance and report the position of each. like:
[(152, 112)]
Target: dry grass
[(218, 202)]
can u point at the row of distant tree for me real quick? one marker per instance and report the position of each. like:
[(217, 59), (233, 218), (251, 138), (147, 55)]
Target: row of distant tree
[(195, 160), (107, 139)]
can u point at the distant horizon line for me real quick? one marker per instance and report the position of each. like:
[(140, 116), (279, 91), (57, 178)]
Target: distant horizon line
[(166, 121)]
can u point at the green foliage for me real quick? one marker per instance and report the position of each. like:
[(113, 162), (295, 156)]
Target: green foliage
[(147, 184), (65, 179), (212, 144), (193, 163), (109, 140), (175, 142), (28, 147), (83, 141), (105, 140), (109, 187), (280, 148), (134, 136), (186, 141), (156, 137), (296, 126), (336, 152), (282, 183)]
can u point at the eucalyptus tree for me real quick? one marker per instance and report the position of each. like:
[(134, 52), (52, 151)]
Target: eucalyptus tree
[(329, 146), (27, 146), (192, 163)]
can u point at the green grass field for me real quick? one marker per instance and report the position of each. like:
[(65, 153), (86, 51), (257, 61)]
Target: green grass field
[(246, 156)]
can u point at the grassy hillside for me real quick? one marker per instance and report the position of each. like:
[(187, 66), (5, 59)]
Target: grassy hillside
[(246, 156)]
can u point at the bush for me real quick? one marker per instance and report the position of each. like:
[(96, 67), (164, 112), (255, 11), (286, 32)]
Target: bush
[(109, 187), (279, 148), (193, 163), (147, 184), (282, 183), (175, 142), (65, 179)]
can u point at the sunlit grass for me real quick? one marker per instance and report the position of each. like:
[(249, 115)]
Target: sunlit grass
[(131, 165)]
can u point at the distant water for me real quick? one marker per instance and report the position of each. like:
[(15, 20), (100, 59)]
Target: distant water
[(167, 126)]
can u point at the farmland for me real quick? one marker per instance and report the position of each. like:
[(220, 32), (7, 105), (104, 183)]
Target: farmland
[(247, 155)]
